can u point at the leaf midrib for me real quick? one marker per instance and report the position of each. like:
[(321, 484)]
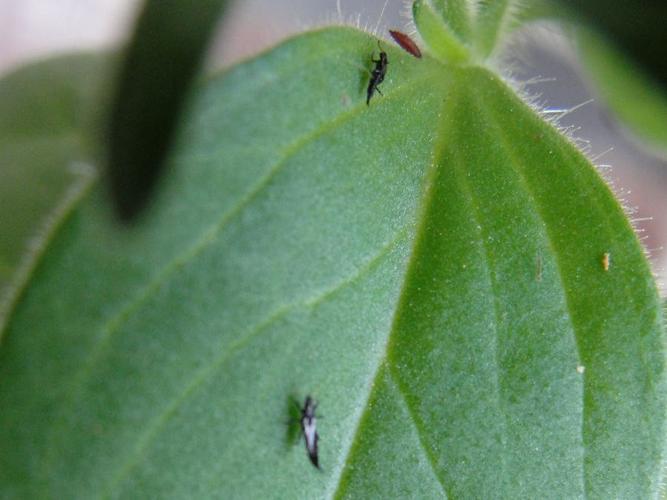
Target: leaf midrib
[(492, 284), (501, 134), (427, 199)]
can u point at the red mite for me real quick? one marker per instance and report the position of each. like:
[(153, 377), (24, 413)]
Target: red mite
[(406, 42)]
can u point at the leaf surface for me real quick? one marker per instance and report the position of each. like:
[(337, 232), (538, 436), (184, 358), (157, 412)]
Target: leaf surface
[(428, 268)]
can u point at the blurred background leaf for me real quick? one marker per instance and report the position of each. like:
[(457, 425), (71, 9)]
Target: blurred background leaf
[(637, 99), (622, 47), (636, 26), (161, 61), (47, 111)]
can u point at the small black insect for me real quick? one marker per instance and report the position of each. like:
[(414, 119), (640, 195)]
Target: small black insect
[(308, 421), (377, 75)]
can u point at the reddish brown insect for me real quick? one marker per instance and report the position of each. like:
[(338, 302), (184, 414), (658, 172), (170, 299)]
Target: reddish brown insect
[(406, 42)]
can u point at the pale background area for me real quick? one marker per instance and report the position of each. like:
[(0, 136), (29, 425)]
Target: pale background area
[(33, 29)]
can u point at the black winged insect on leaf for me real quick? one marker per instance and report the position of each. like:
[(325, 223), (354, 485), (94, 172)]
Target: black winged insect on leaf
[(308, 422), (377, 75)]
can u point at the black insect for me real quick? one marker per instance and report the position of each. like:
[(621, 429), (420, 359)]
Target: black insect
[(308, 421), (377, 75)]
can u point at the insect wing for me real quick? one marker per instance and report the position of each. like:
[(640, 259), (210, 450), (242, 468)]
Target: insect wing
[(311, 437), (309, 430)]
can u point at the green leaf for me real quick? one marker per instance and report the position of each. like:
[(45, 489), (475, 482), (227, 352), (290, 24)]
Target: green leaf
[(429, 268), (494, 19), (457, 14), (438, 34), (638, 101), (461, 31), (44, 109)]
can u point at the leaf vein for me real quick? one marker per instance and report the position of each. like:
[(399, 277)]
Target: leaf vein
[(427, 199), (152, 429), (420, 435), (492, 285), (516, 163)]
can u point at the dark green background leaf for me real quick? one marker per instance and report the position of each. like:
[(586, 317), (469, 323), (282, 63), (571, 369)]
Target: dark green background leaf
[(429, 268), (622, 74), (638, 26), (634, 97), (161, 62)]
